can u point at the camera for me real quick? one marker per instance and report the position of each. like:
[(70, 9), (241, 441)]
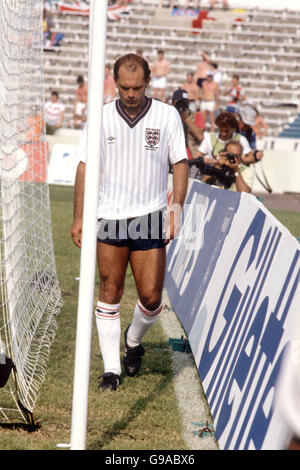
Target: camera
[(231, 157), (225, 175)]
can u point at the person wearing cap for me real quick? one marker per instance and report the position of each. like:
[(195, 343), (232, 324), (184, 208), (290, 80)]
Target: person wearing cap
[(193, 134), (246, 120), (210, 100)]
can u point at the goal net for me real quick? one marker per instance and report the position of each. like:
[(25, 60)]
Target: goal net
[(29, 291)]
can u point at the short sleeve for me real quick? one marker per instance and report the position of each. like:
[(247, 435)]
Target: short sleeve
[(205, 146), (176, 139), (245, 144)]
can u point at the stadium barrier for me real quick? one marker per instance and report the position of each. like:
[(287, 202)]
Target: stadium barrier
[(233, 281)]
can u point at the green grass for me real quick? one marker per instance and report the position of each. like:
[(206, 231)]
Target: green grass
[(289, 219), (142, 414)]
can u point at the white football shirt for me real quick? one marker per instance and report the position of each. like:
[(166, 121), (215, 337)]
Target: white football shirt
[(135, 158)]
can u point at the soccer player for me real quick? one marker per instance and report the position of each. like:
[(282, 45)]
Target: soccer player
[(139, 135)]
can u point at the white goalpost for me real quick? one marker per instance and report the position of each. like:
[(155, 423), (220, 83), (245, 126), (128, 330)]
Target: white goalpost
[(30, 296), (97, 55)]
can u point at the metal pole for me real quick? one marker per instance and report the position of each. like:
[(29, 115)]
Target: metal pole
[(97, 55)]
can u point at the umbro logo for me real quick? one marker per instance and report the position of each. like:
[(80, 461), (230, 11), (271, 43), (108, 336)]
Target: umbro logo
[(111, 140)]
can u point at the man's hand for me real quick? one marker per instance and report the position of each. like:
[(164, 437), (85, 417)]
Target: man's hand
[(76, 231), (259, 155), (223, 160), (172, 224)]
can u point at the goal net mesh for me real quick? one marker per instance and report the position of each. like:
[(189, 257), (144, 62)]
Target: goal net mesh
[(29, 291)]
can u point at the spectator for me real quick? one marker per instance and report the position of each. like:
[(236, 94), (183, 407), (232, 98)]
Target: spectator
[(35, 126), (227, 170), (246, 119), (160, 71), (54, 112), (193, 134), (235, 94), (213, 68), (171, 3), (196, 4), (80, 104), (202, 69), (260, 126), (210, 100), (109, 86), (232, 158), (47, 21), (193, 91), (213, 144), (122, 3), (214, 2)]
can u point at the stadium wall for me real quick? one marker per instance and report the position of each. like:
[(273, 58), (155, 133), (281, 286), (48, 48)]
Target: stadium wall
[(233, 281)]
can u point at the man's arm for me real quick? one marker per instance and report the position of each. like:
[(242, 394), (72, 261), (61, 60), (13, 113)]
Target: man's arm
[(76, 228), (241, 184), (61, 119), (194, 129), (75, 102), (253, 157), (180, 184), (217, 95)]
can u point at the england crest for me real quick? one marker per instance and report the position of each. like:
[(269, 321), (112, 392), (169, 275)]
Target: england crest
[(152, 137)]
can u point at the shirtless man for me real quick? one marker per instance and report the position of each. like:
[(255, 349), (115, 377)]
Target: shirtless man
[(80, 103), (202, 69), (210, 100), (193, 91), (160, 70)]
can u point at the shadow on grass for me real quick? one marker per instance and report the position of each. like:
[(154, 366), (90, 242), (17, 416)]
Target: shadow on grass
[(118, 427), (21, 426)]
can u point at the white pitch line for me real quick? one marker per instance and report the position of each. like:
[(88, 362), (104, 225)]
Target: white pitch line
[(192, 403)]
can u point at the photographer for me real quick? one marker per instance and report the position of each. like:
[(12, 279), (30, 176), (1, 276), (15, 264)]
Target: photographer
[(227, 171)]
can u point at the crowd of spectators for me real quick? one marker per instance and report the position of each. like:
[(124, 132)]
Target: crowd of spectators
[(212, 131), (198, 101)]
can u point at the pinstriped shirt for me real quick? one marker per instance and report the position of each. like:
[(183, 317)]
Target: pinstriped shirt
[(135, 157)]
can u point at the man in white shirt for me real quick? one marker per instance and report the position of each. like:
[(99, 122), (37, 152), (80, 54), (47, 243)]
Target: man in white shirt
[(54, 112), (138, 136)]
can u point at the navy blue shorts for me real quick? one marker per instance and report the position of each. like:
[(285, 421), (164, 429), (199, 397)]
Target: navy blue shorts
[(138, 233)]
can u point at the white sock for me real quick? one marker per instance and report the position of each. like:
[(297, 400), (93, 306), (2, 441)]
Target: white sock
[(109, 333), (142, 320)]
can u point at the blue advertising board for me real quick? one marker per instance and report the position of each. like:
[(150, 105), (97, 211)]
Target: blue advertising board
[(233, 281)]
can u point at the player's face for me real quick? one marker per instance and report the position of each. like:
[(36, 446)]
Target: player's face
[(132, 87)]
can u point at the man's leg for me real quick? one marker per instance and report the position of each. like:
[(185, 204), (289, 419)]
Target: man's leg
[(212, 121), (112, 264), (148, 269)]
